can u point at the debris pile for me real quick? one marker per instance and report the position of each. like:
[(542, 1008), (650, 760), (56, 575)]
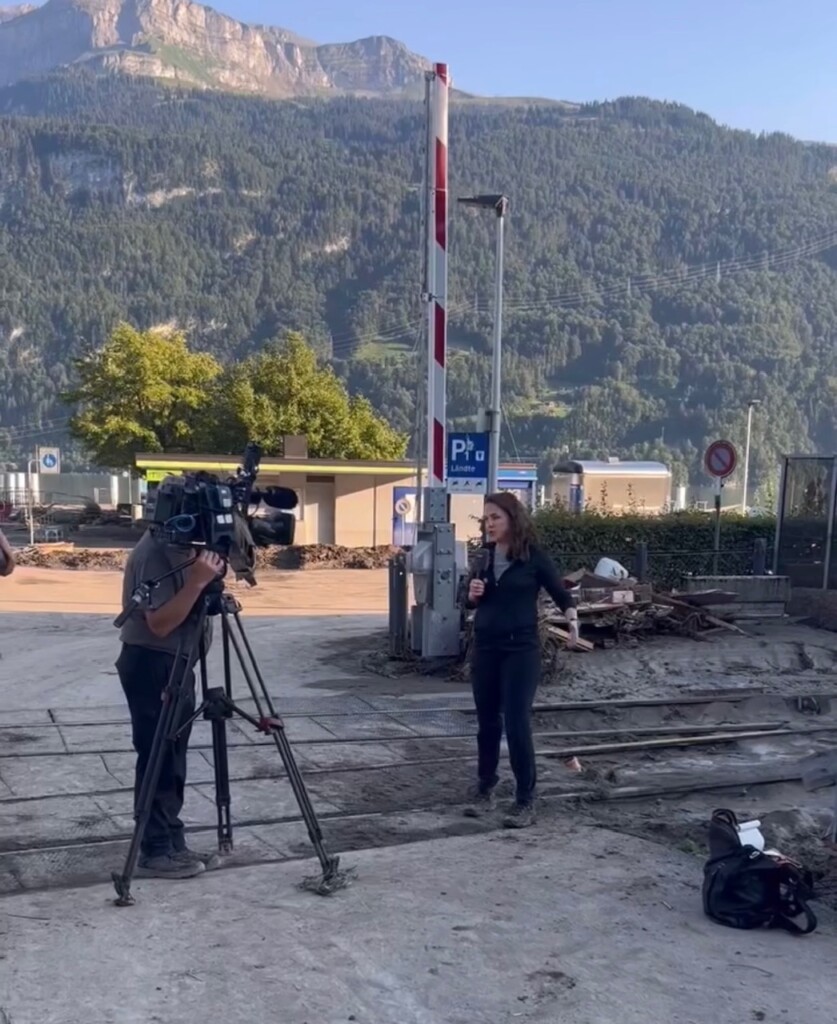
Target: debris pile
[(613, 609), (66, 556), (324, 556), (72, 555)]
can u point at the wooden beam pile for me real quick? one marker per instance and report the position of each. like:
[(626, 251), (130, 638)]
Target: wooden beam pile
[(611, 610)]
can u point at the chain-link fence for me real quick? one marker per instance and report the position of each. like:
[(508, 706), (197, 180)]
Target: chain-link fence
[(668, 569), (806, 546)]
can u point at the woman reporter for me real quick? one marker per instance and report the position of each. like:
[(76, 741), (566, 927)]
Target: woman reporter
[(505, 668)]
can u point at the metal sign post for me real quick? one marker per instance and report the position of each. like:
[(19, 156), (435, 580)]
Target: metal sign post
[(46, 460), (720, 461), (500, 205), (30, 498)]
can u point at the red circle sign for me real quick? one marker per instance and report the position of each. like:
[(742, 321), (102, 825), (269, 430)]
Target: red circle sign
[(720, 459)]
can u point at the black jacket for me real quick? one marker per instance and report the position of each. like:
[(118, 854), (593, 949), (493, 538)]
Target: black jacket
[(508, 610)]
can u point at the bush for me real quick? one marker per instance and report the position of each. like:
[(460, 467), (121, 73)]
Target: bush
[(680, 543)]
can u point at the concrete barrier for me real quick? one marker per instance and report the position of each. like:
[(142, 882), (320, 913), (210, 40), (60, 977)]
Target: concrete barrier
[(757, 597), (818, 606)]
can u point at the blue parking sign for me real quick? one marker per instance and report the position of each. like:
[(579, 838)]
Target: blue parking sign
[(467, 468)]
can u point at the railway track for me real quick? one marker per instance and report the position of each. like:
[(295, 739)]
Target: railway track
[(389, 775)]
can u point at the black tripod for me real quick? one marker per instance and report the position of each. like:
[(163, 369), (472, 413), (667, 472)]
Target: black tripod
[(217, 707)]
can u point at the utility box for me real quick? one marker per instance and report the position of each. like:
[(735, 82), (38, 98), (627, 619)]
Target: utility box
[(434, 618)]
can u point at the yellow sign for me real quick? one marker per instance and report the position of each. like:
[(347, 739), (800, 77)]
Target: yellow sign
[(155, 476)]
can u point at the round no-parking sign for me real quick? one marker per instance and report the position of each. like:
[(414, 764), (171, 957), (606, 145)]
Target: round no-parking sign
[(720, 459)]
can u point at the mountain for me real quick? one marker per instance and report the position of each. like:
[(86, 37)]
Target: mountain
[(661, 270), (194, 45), (7, 13)]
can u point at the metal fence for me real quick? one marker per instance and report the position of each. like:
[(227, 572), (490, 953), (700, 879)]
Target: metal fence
[(667, 569), (806, 545)]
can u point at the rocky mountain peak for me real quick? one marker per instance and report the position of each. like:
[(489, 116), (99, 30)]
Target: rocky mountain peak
[(7, 13), (193, 44)]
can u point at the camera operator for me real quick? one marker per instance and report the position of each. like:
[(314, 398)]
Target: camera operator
[(7, 558), (505, 670), (153, 639)]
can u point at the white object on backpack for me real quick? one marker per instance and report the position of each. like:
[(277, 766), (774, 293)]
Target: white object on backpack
[(750, 834)]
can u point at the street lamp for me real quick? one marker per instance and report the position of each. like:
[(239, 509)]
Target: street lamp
[(500, 205), (750, 406)]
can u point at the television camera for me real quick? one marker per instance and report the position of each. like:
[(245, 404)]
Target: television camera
[(197, 510)]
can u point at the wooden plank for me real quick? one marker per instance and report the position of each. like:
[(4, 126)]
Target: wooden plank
[(720, 624), (672, 602), (564, 636)]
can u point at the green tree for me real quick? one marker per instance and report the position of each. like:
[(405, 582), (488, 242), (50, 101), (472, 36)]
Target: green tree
[(283, 390), (142, 391)]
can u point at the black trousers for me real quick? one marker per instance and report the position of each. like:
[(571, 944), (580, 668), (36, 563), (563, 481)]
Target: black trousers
[(144, 674), (504, 681)]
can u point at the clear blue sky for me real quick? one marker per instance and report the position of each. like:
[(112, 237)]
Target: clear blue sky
[(757, 64)]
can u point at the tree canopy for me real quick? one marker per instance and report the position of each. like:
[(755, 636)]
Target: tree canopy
[(661, 270), (146, 391), (284, 391), (142, 391)]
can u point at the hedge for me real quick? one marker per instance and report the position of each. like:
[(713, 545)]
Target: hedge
[(678, 543)]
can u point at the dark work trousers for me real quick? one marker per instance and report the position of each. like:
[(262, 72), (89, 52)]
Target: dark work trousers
[(504, 681), (144, 674)]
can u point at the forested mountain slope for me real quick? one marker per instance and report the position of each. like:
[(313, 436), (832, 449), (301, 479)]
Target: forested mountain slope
[(661, 270)]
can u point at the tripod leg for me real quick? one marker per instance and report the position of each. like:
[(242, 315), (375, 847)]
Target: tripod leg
[(225, 649), (328, 863), (220, 760), (163, 735), (222, 785)]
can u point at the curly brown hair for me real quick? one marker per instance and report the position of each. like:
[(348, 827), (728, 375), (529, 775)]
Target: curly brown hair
[(521, 528)]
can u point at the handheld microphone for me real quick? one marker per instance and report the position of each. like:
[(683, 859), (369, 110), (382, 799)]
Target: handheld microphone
[(487, 563)]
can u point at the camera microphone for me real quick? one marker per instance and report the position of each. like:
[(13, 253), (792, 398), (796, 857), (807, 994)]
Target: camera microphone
[(282, 498)]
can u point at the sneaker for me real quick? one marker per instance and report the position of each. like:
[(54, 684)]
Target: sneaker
[(520, 816), (168, 866), (480, 802), (210, 861)]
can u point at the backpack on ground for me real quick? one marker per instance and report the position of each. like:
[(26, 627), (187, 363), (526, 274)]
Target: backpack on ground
[(745, 888)]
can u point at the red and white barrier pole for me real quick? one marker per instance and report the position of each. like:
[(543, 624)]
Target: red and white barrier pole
[(437, 273)]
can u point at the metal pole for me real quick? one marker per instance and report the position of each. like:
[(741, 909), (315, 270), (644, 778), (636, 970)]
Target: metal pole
[(750, 408), (829, 537), (717, 546), (31, 502), (497, 358), (437, 222), (780, 515), (422, 443)]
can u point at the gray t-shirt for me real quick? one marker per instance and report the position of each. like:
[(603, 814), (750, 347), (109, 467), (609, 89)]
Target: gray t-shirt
[(149, 559), (501, 563)]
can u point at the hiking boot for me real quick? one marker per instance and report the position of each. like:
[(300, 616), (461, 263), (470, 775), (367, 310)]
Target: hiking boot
[(480, 802), (210, 860), (168, 866), (520, 816)]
